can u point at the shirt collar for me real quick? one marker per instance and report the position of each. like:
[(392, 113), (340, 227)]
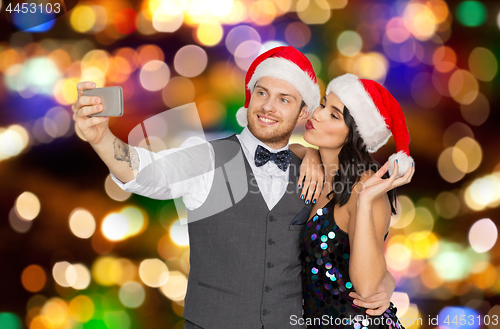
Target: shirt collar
[(248, 140)]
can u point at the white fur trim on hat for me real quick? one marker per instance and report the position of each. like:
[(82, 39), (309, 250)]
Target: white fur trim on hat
[(404, 163), (284, 69), (241, 116), (371, 124)]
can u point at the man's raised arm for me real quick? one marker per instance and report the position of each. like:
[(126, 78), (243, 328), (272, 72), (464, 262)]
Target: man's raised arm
[(121, 159)]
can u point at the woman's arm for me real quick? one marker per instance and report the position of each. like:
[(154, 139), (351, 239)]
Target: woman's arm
[(367, 226), (368, 222)]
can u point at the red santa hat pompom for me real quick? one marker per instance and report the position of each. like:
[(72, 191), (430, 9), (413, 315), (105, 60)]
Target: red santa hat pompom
[(377, 114), (284, 63)]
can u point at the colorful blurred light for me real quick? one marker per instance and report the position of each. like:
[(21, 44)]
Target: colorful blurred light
[(176, 286), (27, 206), (420, 21), (483, 64), (33, 278), (349, 43), (81, 308), (82, 223), (209, 33), (82, 18), (471, 13), (477, 112), (9, 321), (132, 294), (154, 75), (153, 272), (190, 61), (483, 235), (168, 18), (313, 11)]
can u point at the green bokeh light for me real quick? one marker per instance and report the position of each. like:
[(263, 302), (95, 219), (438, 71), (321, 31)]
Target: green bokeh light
[(9, 321), (471, 13)]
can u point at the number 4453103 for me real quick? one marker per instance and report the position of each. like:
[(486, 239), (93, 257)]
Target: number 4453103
[(34, 8), (471, 320)]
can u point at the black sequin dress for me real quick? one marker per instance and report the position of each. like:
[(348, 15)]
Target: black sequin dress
[(326, 283)]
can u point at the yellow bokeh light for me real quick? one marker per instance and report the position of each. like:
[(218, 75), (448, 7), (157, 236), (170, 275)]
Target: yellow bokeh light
[(472, 151), (96, 58), (27, 206), (313, 11), (209, 33), (81, 308), (115, 227), (82, 223), (421, 226), (463, 87), (168, 18), (372, 66), (82, 18), (176, 286), (82, 277), (55, 312), (398, 256), (447, 164), (153, 272), (426, 247), (420, 21), (107, 271), (262, 12), (405, 212), (65, 91)]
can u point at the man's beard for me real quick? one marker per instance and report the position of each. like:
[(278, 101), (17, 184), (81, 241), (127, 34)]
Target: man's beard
[(280, 134)]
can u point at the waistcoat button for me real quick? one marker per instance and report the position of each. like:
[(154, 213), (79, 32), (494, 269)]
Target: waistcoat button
[(265, 312), (270, 241), (267, 289), (271, 218), (269, 264)]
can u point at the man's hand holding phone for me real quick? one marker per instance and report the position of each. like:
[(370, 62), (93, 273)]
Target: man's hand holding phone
[(88, 111)]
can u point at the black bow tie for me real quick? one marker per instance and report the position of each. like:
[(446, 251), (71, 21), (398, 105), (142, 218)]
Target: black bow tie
[(281, 159)]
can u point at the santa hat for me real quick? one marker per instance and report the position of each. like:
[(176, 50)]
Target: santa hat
[(377, 114), (284, 63)]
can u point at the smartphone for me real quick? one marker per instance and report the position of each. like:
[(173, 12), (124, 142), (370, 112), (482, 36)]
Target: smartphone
[(111, 101)]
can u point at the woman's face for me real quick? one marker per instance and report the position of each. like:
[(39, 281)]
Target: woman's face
[(327, 127)]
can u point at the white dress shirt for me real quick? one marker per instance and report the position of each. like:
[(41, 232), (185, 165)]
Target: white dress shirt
[(271, 180)]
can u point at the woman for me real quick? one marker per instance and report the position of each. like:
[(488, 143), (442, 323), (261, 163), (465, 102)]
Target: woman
[(342, 243)]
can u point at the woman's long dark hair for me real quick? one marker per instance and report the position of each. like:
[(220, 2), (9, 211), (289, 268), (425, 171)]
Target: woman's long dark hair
[(354, 160)]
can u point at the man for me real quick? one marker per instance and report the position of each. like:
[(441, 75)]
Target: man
[(244, 247)]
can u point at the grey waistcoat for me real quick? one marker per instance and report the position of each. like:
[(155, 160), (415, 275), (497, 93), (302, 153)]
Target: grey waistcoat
[(245, 260)]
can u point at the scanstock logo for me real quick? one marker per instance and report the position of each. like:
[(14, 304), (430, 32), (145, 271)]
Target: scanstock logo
[(26, 14)]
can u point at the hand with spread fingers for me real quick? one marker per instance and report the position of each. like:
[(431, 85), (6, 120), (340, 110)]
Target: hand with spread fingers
[(93, 129), (375, 186), (311, 177)]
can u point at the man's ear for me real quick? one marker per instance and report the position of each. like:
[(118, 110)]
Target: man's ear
[(303, 114)]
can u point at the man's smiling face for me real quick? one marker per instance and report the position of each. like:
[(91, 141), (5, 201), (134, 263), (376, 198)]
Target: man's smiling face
[(273, 112)]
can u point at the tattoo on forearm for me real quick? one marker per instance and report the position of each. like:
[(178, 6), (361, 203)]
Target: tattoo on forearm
[(124, 152)]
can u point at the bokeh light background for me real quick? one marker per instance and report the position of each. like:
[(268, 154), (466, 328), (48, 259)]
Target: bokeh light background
[(78, 252)]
